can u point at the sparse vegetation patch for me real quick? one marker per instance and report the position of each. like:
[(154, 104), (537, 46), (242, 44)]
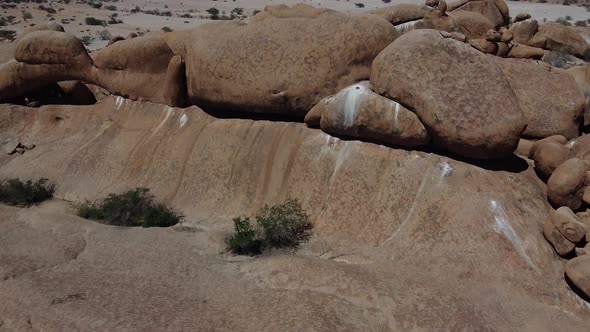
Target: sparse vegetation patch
[(280, 226), (132, 208), (18, 193)]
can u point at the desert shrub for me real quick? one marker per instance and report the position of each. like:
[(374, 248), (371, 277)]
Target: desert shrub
[(244, 241), (111, 7), (167, 29), (359, 5), (27, 16), (16, 192), (563, 21), (93, 21), (132, 208), (214, 12), (581, 24), (568, 17), (285, 225), (386, 1), (86, 40), (9, 35), (280, 226)]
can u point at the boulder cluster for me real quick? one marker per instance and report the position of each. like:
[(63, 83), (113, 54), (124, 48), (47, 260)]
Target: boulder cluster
[(565, 166), (457, 77)]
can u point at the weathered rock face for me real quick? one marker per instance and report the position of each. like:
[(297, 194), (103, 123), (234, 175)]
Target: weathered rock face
[(52, 47), (383, 217), (521, 51), (566, 185), (359, 112), (550, 100), (471, 125), (568, 224), (496, 11), (471, 24), (578, 271), (559, 36), (265, 66), (523, 31), (561, 245), (548, 156)]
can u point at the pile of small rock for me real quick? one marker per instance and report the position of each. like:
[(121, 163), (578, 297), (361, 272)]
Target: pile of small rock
[(563, 166)]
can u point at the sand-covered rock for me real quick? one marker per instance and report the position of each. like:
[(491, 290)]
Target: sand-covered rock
[(471, 125)]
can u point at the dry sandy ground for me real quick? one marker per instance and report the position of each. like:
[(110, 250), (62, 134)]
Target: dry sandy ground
[(140, 22)]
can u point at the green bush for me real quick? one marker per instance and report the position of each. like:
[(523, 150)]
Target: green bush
[(132, 208), (244, 241), (285, 225), (8, 35), (167, 29), (16, 192), (281, 226)]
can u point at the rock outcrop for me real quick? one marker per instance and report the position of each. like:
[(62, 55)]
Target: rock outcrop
[(358, 112), (471, 125), (550, 100)]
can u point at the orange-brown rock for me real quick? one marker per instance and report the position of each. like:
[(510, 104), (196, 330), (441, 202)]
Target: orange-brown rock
[(550, 100), (566, 185), (568, 224), (382, 218), (561, 37), (578, 271), (264, 67), (548, 156), (484, 46), (358, 112), (496, 11), (472, 126), (523, 31), (471, 24), (561, 245), (521, 51)]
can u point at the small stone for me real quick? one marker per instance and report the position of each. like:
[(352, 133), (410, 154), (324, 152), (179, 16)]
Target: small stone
[(493, 36), (568, 224), (458, 36), (28, 146), (580, 251), (522, 17), (10, 146), (561, 245)]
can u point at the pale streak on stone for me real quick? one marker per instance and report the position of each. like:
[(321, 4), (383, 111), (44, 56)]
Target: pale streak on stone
[(119, 102), (412, 208), (408, 26), (503, 227), (352, 94), (183, 120)]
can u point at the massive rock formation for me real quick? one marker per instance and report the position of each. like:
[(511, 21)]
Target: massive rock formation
[(262, 66), (281, 65), (383, 217), (461, 95)]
